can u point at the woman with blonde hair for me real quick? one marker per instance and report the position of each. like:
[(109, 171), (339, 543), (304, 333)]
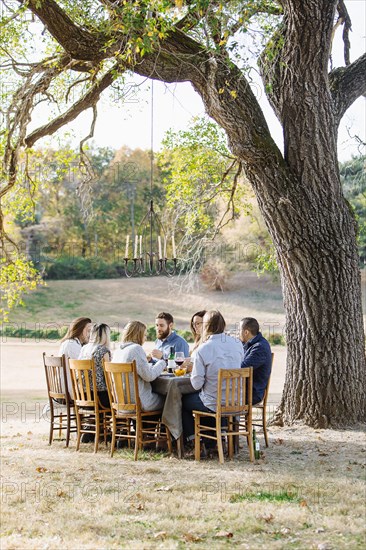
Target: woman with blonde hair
[(98, 348), (133, 337)]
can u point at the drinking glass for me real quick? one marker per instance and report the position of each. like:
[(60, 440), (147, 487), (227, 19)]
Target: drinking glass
[(179, 358)]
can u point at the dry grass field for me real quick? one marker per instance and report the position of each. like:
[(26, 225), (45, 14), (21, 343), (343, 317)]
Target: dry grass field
[(306, 492), (116, 301)]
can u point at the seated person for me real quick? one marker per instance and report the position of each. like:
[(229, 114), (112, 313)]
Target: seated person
[(257, 354), (76, 336), (98, 349), (217, 351), (133, 336), (167, 338), (196, 329)]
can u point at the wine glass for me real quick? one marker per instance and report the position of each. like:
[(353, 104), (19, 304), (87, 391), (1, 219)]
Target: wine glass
[(179, 358)]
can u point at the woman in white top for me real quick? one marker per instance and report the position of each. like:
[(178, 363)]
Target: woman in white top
[(134, 335), (77, 334)]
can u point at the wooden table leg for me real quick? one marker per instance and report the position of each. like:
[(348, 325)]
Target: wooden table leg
[(180, 447)]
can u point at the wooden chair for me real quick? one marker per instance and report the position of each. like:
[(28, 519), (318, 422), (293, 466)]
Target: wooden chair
[(121, 378), (60, 402), (91, 416), (236, 386), (261, 422)]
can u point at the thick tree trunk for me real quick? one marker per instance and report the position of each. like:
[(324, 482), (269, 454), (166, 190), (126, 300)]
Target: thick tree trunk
[(315, 240), (325, 377), (314, 233)]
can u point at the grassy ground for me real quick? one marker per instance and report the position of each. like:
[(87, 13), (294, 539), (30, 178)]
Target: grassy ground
[(307, 492), (116, 301)]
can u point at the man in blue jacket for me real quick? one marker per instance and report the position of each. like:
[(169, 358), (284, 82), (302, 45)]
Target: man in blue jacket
[(257, 354), (167, 337)]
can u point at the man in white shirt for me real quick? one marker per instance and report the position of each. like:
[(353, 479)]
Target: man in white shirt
[(218, 351)]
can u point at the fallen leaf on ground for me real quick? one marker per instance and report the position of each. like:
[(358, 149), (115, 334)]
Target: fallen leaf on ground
[(303, 503), (223, 534), (267, 518), (160, 535), (164, 488), (41, 470), (278, 441), (190, 537)]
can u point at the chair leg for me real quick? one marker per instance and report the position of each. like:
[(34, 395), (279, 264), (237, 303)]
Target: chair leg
[(231, 426), (68, 426), (264, 422), (250, 444), (138, 439), (78, 424), (52, 424), (97, 433), (197, 447), (219, 441), (60, 427), (114, 429)]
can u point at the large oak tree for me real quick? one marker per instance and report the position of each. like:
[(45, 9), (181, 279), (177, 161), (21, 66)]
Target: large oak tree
[(299, 192)]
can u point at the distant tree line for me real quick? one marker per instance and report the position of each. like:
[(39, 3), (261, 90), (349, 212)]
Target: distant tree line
[(73, 230)]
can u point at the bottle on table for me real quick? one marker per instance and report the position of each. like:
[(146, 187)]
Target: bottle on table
[(257, 449), (171, 359)]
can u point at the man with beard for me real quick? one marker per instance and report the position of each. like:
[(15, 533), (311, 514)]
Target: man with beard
[(167, 338)]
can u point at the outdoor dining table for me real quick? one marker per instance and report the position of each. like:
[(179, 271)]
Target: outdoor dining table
[(173, 387)]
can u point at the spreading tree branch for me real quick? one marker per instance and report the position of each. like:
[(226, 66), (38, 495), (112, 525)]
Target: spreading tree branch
[(346, 20), (77, 42), (85, 102), (347, 84)]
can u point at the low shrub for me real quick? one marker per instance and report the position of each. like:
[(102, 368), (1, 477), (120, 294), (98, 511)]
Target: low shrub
[(52, 334), (66, 267), (36, 334), (276, 339), (215, 275)]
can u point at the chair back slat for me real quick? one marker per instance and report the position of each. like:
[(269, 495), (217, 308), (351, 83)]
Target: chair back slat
[(121, 379), (234, 391), (55, 370), (84, 382)]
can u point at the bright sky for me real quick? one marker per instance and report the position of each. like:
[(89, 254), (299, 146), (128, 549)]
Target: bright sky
[(128, 122)]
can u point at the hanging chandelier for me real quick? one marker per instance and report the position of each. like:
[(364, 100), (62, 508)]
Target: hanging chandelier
[(150, 251)]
